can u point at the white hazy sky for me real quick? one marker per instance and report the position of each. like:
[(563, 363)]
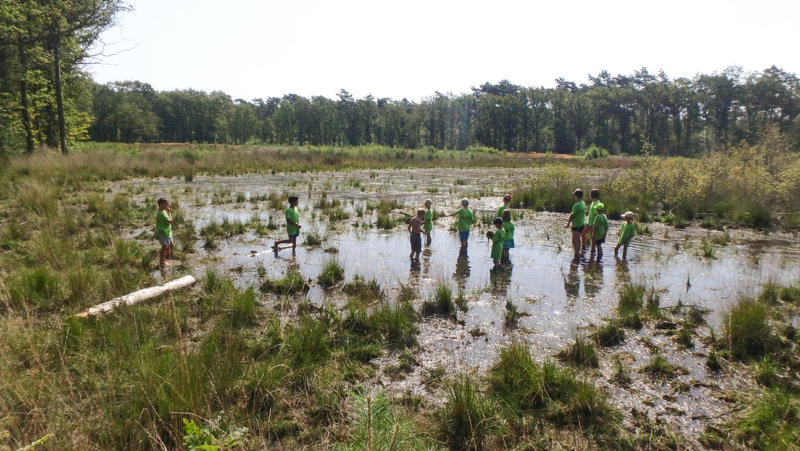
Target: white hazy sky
[(413, 48)]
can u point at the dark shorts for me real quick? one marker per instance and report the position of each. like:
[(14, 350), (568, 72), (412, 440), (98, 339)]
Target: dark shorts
[(291, 237), (508, 244), (416, 242), (600, 241), (164, 240), (578, 229), (463, 235)]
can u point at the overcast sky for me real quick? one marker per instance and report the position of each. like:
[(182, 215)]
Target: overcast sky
[(412, 48)]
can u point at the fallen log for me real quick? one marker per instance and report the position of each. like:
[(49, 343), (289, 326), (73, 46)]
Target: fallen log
[(138, 296)]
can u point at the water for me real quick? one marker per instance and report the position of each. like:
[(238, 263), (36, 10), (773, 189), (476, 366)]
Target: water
[(556, 298)]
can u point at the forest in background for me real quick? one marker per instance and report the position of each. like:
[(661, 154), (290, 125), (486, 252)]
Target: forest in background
[(46, 98)]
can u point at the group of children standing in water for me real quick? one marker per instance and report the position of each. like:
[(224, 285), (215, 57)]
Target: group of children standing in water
[(587, 230)]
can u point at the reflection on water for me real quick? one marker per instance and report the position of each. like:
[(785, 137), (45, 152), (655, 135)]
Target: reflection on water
[(572, 282), (462, 270), (499, 280), (593, 279)]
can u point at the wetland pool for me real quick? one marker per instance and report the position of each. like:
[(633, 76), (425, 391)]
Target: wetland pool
[(556, 299)]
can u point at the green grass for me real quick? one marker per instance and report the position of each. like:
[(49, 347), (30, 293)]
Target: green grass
[(441, 303), (468, 418), (332, 273), (609, 334), (581, 353), (747, 333), (660, 368), (363, 290), (770, 422), (292, 284)]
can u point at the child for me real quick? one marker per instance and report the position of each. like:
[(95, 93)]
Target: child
[(508, 233), (577, 220), (464, 216), (428, 221), (292, 226), (626, 232), (588, 231), (498, 239), (599, 230), (164, 230), (506, 202), (415, 229)]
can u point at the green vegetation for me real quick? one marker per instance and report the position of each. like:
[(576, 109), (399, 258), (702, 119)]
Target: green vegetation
[(332, 273), (364, 291), (746, 330), (581, 353), (442, 303)]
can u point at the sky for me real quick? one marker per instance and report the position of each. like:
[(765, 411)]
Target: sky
[(412, 49)]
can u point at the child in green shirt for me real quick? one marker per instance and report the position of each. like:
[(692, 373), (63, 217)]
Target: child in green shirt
[(164, 230), (626, 232), (508, 233), (577, 220), (506, 203), (588, 231), (599, 230), (464, 216), (292, 226), (428, 219), (498, 239)]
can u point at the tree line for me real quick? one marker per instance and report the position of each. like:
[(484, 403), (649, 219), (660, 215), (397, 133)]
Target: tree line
[(46, 99), (619, 113)]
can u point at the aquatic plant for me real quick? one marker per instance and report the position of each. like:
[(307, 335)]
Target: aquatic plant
[(363, 290), (468, 418), (441, 303), (293, 283), (332, 273), (609, 334), (580, 353), (660, 368), (746, 330), (772, 421), (511, 316)]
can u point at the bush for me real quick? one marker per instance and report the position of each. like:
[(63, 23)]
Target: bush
[(594, 152)]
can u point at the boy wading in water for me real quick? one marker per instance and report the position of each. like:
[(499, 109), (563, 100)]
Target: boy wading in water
[(463, 224), (508, 235), (292, 226), (428, 219), (588, 231), (498, 239), (164, 230), (626, 232), (577, 220), (415, 230), (599, 230)]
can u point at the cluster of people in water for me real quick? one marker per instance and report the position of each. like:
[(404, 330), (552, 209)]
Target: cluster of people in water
[(588, 223)]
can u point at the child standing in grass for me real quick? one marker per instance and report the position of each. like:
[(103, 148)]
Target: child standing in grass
[(292, 226), (506, 203), (428, 219), (588, 231), (465, 217), (577, 220), (415, 230), (508, 233), (164, 230), (626, 232), (498, 239), (599, 230)]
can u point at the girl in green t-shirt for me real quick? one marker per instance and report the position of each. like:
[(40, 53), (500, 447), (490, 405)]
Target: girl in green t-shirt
[(626, 232), (428, 221)]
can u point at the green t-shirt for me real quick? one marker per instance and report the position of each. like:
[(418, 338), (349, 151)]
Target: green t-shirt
[(627, 232), (592, 212), (428, 226), (464, 219), (600, 226), (501, 210), (578, 214), (498, 239), (163, 224), (292, 215), (508, 230)]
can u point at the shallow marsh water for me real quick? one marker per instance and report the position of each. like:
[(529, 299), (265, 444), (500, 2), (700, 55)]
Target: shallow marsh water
[(557, 300)]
